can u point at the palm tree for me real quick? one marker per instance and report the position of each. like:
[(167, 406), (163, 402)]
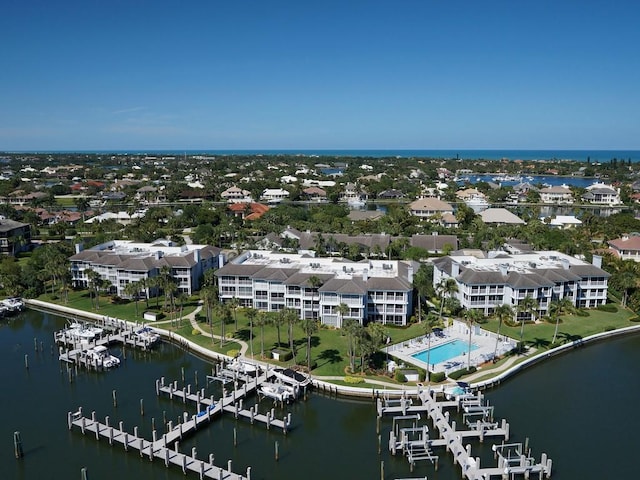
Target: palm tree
[(471, 317), (93, 279), (528, 305), (209, 297), (131, 290), (557, 308), (342, 310), (224, 312), (431, 320), (352, 329), (310, 327), (261, 321), (315, 283), (234, 303), (278, 320), (291, 317), (502, 313), (627, 280), (445, 288), (252, 313)]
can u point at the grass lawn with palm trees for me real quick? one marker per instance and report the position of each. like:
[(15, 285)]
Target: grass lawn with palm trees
[(124, 309), (572, 327)]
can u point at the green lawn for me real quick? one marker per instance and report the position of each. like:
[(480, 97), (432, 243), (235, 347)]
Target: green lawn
[(329, 346), (572, 327), (125, 310)]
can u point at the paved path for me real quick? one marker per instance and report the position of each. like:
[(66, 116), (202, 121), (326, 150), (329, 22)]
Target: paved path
[(194, 324)]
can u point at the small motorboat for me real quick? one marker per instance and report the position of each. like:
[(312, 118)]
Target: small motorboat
[(147, 335), (292, 377), (239, 366), (277, 391), (100, 357), (82, 332), (12, 304)]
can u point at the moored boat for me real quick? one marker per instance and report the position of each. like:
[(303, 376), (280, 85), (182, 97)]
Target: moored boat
[(147, 335), (292, 377), (277, 391), (12, 304), (99, 356)]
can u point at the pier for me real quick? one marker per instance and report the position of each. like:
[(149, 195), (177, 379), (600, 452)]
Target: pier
[(416, 442), (158, 448)]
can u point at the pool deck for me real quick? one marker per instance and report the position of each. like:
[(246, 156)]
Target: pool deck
[(484, 341)]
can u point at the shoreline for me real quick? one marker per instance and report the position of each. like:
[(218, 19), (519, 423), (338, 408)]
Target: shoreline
[(323, 385)]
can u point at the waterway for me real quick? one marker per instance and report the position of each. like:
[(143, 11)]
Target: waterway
[(567, 407)]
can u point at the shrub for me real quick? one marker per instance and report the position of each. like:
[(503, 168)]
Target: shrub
[(233, 352), (438, 377), (581, 312), (459, 373), (353, 380), (609, 328), (635, 319), (608, 307), (399, 376), (195, 332)]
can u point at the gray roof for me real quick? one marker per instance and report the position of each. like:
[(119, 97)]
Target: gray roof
[(588, 270), (8, 225), (434, 243), (528, 280), (344, 285)]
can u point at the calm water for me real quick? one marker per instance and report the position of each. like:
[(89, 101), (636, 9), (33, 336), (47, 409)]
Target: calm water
[(565, 406), (496, 154)]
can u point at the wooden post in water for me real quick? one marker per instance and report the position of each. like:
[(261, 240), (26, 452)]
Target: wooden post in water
[(381, 469), (115, 400), (26, 361), (83, 474), (141, 408), (235, 437), (17, 445), (277, 454)]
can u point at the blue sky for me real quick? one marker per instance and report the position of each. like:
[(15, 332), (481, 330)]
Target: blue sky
[(244, 74)]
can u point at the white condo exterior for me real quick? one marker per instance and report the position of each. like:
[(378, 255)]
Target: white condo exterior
[(374, 290), (122, 261), (484, 283)]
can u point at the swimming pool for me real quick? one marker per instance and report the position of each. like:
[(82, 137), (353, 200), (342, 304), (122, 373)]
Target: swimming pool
[(444, 352)]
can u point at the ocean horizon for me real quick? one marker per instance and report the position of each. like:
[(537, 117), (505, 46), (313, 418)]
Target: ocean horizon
[(462, 154)]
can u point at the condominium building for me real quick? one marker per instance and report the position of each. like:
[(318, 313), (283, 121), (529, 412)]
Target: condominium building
[(501, 278), (373, 290), (120, 262), (15, 237)]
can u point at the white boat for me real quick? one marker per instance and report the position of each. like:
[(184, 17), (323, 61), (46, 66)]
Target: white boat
[(12, 304), (147, 335), (239, 366), (277, 391), (356, 202), (477, 203), (82, 332), (460, 389), (292, 377), (100, 356)]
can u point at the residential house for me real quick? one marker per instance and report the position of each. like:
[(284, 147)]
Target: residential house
[(430, 208), (560, 194), (626, 247), (602, 194)]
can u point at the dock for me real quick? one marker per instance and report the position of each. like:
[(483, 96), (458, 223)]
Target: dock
[(158, 448), (417, 442), (231, 401)]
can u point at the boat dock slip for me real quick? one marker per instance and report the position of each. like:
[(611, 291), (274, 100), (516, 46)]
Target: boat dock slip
[(230, 402), (156, 449), (416, 442)]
